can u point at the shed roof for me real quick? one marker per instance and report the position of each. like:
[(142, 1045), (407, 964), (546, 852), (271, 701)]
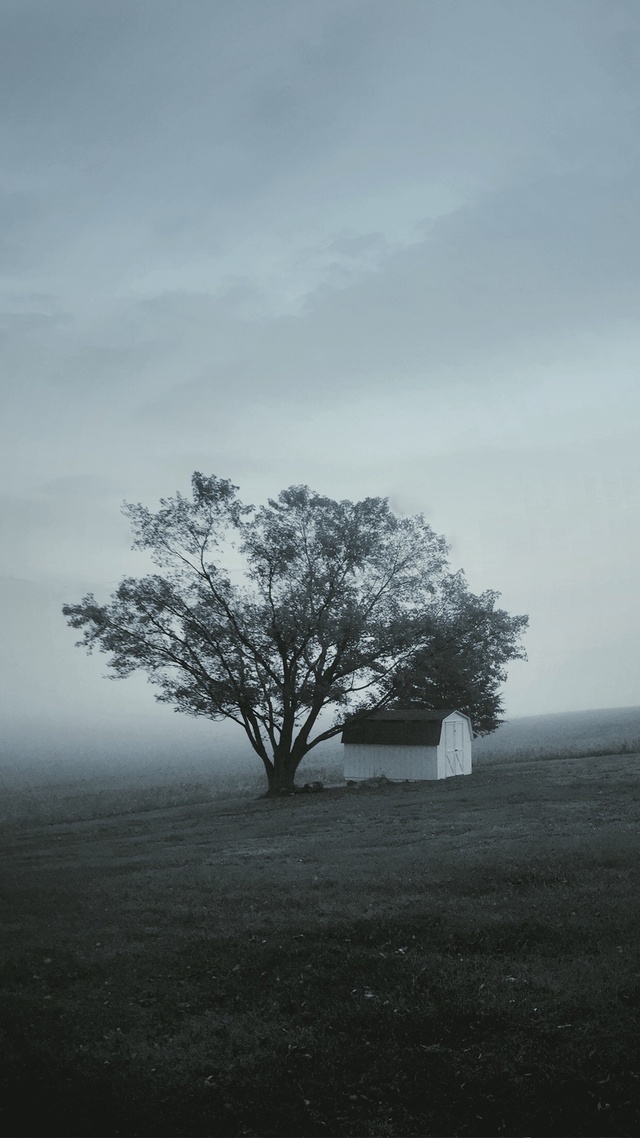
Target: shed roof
[(408, 728)]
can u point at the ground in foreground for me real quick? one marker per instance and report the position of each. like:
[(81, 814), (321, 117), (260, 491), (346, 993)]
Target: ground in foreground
[(458, 958)]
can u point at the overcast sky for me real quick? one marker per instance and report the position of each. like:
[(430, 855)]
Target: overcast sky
[(381, 248)]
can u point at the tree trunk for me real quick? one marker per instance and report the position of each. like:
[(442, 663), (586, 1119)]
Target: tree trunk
[(282, 776)]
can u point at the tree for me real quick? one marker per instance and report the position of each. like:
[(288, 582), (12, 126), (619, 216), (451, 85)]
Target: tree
[(269, 617), (463, 665)]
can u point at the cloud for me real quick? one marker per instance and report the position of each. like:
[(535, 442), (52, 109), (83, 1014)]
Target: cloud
[(354, 244), (507, 282)]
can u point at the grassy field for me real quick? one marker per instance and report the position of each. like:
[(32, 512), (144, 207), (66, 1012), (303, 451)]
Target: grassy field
[(601, 731), (458, 958)]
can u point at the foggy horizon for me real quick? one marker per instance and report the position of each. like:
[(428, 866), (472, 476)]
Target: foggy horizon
[(386, 251)]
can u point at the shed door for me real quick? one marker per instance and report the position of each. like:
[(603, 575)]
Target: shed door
[(454, 748)]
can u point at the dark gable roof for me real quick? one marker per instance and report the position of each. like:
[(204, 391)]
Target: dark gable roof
[(397, 728)]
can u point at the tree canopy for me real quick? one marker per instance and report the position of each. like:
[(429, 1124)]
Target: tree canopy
[(270, 616)]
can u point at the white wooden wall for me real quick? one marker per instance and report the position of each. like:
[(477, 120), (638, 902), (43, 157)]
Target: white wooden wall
[(364, 760)]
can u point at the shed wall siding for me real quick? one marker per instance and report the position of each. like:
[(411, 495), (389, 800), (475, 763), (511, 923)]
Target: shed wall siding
[(396, 763)]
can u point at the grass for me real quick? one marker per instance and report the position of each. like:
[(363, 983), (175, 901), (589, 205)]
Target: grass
[(458, 958), (604, 731)]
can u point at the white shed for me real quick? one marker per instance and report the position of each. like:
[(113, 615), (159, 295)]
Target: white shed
[(407, 745)]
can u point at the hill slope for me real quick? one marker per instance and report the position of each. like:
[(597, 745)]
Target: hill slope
[(601, 731)]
